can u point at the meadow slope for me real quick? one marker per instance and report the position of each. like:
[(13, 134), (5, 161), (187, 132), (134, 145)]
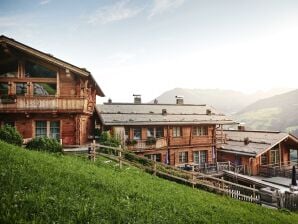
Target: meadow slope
[(46, 188)]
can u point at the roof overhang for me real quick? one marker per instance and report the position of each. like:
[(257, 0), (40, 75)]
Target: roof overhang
[(237, 152), (49, 58)]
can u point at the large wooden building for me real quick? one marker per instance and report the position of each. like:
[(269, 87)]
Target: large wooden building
[(176, 134), (44, 96), (264, 153)]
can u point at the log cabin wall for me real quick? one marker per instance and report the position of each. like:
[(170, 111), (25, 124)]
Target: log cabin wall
[(59, 95), (187, 142)]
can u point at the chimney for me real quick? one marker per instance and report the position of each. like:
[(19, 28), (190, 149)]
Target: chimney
[(164, 112), (241, 127), (137, 99), (109, 101), (155, 101), (208, 112), (179, 100)]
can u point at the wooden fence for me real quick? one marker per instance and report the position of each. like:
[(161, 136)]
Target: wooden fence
[(192, 178)]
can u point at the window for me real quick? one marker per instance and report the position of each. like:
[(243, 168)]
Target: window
[(49, 129), (21, 88), (264, 160), (159, 132), (274, 156), (126, 129), (176, 131), (199, 131), (183, 157), (44, 89), (155, 157), (150, 132), (41, 128), (9, 68), (38, 71), (55, 130), (137, 133), (200, 157), (3, 88)]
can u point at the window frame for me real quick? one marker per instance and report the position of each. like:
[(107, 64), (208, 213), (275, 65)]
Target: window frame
[(183, 157), (200, 130), (175, 131), (134, 132), (49, 129)]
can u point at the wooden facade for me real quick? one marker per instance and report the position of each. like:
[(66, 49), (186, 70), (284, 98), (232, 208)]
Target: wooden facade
[(260, 152), (176, 134), (44, 96)]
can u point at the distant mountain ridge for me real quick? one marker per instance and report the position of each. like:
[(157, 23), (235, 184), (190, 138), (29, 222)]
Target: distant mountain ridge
[(226, 101), (278, 112)]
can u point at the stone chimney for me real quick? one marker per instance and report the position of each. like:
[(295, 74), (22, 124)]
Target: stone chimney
[(164, 112), (109, 101), (241, 127), (179, 100), (137, 99)]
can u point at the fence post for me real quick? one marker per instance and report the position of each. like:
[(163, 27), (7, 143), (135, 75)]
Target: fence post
[(154, 168), (229, 165), (217, 168), (120, 159), (254, 193), (223, 184), (193, 176)]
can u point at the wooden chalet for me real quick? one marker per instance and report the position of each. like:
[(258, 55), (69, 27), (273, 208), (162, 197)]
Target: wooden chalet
[(44, 96), (263, 153), (177, 134)]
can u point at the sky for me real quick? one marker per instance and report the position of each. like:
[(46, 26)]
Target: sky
[(150, 46)]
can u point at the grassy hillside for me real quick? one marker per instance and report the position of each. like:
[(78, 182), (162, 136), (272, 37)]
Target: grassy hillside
[(275, 113), (43, 188)]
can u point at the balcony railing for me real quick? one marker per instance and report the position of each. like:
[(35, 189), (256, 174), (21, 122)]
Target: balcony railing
[(282, 170), (45, 103), (147, 145)]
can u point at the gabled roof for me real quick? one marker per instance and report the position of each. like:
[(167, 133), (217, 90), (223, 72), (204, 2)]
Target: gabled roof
[(49, 58), (151, 114), (259, 141)]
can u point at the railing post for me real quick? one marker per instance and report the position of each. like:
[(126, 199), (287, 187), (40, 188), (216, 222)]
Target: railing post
[(229, 165), (217, 168), (193, 176), (154, 168)]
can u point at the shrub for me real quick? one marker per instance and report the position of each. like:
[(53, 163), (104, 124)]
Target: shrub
[(131, 142), (106, 139), (10, 135), (44, 144)]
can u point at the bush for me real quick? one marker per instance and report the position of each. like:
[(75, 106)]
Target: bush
[(10, 135), (106, 139), (44, 144)]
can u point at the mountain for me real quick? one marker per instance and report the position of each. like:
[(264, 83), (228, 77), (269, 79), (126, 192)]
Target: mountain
[(226, 101), (279, 112)]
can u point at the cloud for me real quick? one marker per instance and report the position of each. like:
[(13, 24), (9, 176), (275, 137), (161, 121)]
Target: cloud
[(161, 6), (44, 2), (121, 10)]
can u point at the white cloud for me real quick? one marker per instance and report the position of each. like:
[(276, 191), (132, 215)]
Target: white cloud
[(121, 10), (161, 6), (44, 2)]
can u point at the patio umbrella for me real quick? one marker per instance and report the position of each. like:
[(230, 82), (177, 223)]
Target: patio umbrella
[(294, 182)]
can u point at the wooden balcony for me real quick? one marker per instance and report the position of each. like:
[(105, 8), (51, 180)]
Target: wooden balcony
[(44, 104), (144, 145), (194, 140), (281, 170)]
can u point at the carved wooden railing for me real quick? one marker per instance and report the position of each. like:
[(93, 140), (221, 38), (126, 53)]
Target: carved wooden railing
[(147, 145), (35, 103)]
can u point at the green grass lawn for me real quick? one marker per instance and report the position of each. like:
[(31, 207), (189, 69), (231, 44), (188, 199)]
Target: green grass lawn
[(38, 187)]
